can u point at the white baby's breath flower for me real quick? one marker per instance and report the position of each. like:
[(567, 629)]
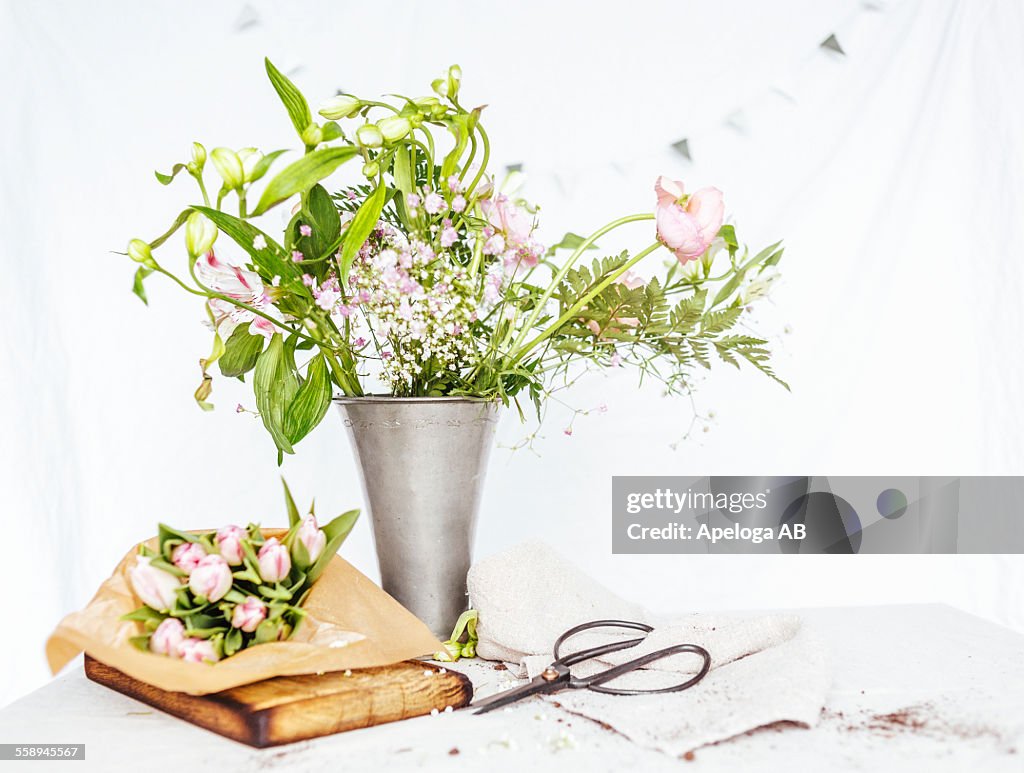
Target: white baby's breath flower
[(260, 242)]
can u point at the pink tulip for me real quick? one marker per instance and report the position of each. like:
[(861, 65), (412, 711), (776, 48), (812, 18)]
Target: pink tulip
[(312, 537), (167, 637), (187, 556), (249, 614), (157, 588), (197, 651), (687, 229), (211, 579), (229, 542), (274, 561)]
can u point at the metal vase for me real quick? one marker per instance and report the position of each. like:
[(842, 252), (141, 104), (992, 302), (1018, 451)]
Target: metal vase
[(423, 461)]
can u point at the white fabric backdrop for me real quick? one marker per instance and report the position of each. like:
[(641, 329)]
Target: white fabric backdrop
[(895, 174)]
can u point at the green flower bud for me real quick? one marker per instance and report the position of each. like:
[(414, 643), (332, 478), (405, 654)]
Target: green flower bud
[(369, 136), (449, 85), (200, 234), (249, 157), (394, 127), (198, 155), (431, 107), (312, 135), (229, 167), (140, 252), (371, 169), (341, 106)]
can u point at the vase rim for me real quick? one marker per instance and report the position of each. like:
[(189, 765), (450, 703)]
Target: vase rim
[(410, 400)]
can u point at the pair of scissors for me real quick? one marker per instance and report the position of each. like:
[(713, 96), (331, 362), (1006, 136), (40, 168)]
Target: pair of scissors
[(557, 676)]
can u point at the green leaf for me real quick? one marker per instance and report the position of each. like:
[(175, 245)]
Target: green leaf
[(241, 351), (165, 179), (294, 102), (143, 615), (267, 631), (140, 274), (360, 228), (570, 241), (178, 223), (728, 233), (302, 174), (460, 127), (263, 165), (289, 501), (274, 384), (270, 260), (728, 288), (321, 214), (331, 131), (311, 401), (337, 530), (232, 642)]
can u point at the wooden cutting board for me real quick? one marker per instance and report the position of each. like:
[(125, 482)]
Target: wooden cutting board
[(294, 708)]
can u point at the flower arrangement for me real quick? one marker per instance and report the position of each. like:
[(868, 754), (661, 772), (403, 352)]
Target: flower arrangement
[(428, 276), (207, 596)]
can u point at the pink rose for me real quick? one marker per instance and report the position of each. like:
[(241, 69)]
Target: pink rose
[(229, 542), (167, 636), (274, 561), (687, 230), (197, 651), (211, 579), (157, 588), (249, 614), (508, 217), (312, 537), (187, 556)]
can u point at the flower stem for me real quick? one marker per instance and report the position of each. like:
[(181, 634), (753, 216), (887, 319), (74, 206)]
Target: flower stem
[(558, 277)]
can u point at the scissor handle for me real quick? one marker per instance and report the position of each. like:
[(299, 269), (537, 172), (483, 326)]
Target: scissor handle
[(604, 649), (597, 681)]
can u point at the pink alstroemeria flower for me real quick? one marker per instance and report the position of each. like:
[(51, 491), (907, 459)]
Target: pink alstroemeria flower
[(686, 225), (241, 285)]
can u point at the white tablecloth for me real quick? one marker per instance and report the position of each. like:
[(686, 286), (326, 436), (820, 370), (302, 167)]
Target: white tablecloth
[(922, 687)]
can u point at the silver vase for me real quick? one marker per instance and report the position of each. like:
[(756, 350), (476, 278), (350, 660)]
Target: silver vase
[(423, 461)]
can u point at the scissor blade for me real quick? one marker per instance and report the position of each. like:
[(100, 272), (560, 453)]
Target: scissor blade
[(535, 686)]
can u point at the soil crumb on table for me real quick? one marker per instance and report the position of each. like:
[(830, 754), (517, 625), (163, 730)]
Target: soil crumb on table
[(922, 719)]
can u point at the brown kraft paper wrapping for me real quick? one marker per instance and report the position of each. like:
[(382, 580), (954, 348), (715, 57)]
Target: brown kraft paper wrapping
[(350, 623)]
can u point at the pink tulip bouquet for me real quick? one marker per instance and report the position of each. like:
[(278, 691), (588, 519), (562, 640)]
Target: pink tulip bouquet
[(207, 596), (426, 276)]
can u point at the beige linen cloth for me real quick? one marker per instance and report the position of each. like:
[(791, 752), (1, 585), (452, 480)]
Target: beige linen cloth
[(764, 669)]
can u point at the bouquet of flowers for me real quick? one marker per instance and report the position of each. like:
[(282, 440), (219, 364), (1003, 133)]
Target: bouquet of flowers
[(207, 596), (427, 276)]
